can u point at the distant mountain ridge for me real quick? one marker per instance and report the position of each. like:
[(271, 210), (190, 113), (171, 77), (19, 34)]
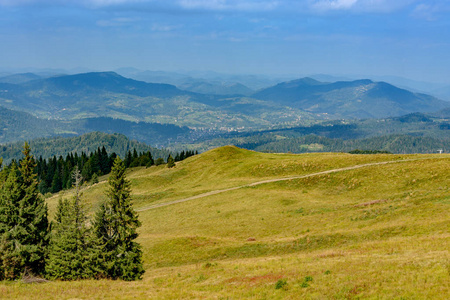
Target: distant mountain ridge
[(104, 81), (290, 103), (350, 99), (107, 94), (19, 78)]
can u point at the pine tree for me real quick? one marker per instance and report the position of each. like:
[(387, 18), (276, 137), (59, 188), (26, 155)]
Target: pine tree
[(11, 264), (151, 161), (25, 236), (115, 226), (128, 159), (94, 178), (104, 161), (170, 162), (33, 221), (70, 244)]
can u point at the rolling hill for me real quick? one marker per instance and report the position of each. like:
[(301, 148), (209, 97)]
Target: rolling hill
[(107, 94), (282, 226), (293, 103), (21, 126)]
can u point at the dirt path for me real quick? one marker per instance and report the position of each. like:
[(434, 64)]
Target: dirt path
[(275, 180)]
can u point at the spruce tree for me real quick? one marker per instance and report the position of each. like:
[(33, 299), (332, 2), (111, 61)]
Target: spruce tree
[(11, 264), (25, 233), (115, 226), (170, 162), (33, 237), (70, 244)]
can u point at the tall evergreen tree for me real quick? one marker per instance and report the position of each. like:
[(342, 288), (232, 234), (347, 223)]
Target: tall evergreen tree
[(24, 243), (104, 161), (115, 226), (11, 265), (32, 217), (128, 159), (70, 245), (170, 162)]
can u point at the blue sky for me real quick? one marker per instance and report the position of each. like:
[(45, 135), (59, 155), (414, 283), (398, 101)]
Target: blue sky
[(409, 38)]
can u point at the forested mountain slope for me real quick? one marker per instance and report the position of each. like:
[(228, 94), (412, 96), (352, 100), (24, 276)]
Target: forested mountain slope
[(90, 142), (350, 99)]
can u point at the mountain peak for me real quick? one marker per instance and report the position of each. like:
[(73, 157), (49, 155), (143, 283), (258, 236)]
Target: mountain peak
[(304, 82)]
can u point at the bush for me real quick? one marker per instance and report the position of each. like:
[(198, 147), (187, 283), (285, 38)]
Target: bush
[(159, 161), (281, 284)]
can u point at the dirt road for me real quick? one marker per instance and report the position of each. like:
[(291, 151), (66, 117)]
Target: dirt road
[(274, 180)]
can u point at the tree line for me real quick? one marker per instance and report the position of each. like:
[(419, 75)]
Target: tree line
[(54, 174), (67, 248)]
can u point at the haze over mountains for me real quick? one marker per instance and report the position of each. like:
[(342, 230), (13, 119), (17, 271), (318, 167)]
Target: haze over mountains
[(350, 99), (108, 94), (160, 113)]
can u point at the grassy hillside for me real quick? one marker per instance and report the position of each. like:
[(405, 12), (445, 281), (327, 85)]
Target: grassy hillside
[(377, 231)]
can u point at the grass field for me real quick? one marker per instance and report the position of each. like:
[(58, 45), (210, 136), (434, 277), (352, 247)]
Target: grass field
[(376, 232)]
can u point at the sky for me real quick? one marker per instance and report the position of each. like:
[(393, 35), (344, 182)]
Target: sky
[(408, 38)]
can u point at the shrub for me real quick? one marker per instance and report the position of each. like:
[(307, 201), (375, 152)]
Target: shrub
[(281, 284)]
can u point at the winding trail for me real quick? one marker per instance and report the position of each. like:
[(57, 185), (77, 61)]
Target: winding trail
[(277, 180)]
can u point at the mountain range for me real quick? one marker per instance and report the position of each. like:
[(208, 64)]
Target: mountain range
[(159, 113), (107, 94), (350, 99)]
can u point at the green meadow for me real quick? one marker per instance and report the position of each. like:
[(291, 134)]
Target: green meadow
[(380, 231)]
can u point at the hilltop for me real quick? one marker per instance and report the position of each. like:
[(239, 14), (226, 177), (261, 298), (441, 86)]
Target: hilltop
[(369, 226)]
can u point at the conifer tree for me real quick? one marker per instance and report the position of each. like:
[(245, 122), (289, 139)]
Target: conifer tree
[(32, 217), (94, 178), (24, 242), (70, 244), (170, 162), (128, 159), (11, 265), (104, 161), (115, 227), (151, 161)]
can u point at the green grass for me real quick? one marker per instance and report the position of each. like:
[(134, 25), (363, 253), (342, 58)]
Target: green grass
[(378, 232)]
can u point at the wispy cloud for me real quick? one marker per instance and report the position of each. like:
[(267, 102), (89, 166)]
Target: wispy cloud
[(363, 6), (117, 22), (334, 4), (164, 28), (227, 5), (95, 3), (297, 6), (431, 11)]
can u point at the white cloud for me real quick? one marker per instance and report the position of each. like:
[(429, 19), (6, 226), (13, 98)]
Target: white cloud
[(227, 5), (383, 6), (164, 28), (431, 11), (301, 6), (92, 3), (116, 22), (334, 4)]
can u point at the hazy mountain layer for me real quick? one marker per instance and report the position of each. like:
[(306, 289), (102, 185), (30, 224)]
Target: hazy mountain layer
[(350, 99)]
